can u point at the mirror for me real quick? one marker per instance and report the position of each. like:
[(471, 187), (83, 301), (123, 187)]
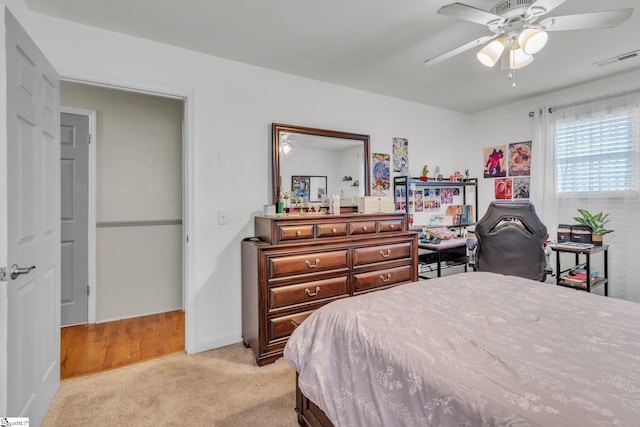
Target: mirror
[(316, 163)]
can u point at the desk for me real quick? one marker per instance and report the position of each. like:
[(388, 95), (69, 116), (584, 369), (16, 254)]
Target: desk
[(587, 252), (454, 250)]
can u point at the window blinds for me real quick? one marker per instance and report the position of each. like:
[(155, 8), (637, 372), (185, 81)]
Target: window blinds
[(597, 145)]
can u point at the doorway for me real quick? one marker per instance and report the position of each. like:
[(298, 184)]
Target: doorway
[(137, 193), (74, 217)]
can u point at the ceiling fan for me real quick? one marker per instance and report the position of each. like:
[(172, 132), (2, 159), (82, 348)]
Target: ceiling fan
[(519, 29)]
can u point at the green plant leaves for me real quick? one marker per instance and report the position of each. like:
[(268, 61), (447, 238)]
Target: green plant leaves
[(596, 222)]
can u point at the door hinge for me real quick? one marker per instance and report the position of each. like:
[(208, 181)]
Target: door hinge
[(88, 289), (88, 138), (3, 274)]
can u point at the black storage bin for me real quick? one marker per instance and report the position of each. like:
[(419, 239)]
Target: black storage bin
[(564, 233), (580, 234)]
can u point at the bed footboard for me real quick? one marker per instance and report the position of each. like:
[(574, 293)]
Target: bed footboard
[(309, 414)]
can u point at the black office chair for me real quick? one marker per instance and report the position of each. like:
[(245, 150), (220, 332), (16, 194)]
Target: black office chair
[(511, 240)]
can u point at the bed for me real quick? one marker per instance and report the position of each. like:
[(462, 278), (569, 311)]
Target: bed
[(471, 349)]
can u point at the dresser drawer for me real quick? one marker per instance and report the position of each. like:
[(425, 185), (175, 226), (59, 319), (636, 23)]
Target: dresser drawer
[(282, 327), (331, 230), (373, 254), (389, 226), (296, 232), (362, 227), (386, 277), (283, 296), (288, 265)]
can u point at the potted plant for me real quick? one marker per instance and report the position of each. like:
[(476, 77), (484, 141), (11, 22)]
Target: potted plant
[(425, 171), (596, 222)]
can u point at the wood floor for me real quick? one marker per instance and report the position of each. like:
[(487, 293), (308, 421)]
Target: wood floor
[(87, 349)]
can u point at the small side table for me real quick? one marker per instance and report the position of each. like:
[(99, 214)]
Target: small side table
[(586, 252), (454, 250)]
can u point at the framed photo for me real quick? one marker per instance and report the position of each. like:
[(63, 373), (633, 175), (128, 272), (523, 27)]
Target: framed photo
[(310, 188), (317, 188), (300, 187)]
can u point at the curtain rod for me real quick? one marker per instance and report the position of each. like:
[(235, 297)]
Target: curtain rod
[(587, 101)]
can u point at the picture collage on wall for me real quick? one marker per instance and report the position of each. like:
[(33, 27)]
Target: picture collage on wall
[(510, 165), (434, 206)]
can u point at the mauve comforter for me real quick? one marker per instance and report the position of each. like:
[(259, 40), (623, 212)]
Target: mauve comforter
[(473, 349)]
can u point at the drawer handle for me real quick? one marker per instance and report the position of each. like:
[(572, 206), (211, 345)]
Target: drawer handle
[(298, 233), (309, 265), (383, 255), (364, 228), (392, 226), (385, 279), (312, 294), (333, 230)]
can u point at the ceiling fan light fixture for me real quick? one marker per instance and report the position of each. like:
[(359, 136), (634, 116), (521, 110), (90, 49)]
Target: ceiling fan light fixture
[(518, 59), (490, 54), (532, 40)]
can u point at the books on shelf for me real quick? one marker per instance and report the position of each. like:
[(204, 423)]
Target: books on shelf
[(461, 214), (576, 283), (578, 278), (577, 271)]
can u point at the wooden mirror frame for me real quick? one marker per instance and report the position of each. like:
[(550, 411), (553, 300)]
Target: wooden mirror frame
[(278, 128)]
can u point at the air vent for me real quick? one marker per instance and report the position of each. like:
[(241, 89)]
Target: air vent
[(507, 6), (619, 58)]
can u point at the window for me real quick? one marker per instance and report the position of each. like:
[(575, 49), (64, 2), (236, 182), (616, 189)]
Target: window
[(597, 151)]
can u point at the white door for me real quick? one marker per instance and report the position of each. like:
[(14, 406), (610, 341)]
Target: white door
[(74, 184), (33, 227)]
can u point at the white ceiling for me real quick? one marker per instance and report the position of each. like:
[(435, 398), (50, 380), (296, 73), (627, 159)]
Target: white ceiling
[(374, 45)]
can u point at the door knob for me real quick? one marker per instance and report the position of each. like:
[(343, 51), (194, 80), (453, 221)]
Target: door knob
[(16, 271)]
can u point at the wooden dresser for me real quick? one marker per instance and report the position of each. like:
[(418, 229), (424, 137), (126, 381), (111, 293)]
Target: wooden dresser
[(303, 262)]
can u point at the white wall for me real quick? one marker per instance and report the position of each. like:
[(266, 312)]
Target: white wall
[(234, 106), (351, 165)]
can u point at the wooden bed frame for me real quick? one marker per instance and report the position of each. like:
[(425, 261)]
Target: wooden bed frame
[(309, 414)]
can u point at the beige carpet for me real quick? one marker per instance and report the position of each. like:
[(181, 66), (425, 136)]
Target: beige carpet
[(221, 388)]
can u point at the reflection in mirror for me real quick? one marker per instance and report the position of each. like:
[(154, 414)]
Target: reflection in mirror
[(317, 163)]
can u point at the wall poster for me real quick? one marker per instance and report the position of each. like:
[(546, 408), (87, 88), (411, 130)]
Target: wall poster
[(503, 188), (521, 186), (401, 155), (495, 161), (520, 159), (381, 175)]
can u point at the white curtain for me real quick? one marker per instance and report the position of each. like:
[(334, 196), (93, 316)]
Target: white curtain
[(560, 207)]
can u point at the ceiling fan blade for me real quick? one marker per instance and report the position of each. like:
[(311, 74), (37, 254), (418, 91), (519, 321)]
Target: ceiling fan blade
[(585, 21), (545, 5), (460, 49), (468, 13)]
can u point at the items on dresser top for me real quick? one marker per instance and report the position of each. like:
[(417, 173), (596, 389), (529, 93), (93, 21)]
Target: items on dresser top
[(304, 262), (375, 204)]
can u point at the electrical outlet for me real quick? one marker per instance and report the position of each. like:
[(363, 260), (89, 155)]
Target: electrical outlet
[(222, 217)]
